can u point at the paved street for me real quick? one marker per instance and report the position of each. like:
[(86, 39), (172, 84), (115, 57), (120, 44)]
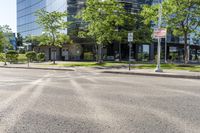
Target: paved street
[(39, 101)]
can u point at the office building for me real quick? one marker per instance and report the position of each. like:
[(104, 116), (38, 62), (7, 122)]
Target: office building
[(26, 20), (26, 9), (26, 25)]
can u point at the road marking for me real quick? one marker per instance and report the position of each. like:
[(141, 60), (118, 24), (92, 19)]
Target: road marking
[(10, 119), (97, 113), (4, 104)]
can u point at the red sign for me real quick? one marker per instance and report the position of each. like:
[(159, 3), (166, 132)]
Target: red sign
[(160, 33)]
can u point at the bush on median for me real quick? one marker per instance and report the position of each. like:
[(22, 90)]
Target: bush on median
[(12, 56), (2, 57), (31, 56), (41, 57)]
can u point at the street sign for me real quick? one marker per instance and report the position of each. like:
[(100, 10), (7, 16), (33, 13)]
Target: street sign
[(159, 33), (130, 37)]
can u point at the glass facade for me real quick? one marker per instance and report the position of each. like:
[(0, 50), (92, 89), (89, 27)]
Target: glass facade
[(26, 9), (26, 18), (74, 6)]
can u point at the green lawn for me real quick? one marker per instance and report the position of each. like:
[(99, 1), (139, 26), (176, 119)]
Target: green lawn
[(193, 68), (91, 64)]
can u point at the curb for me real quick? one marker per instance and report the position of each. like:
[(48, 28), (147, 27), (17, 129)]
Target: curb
[(37, 68), (156, 75)]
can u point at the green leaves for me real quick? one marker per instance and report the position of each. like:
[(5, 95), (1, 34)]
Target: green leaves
[(179, 16), (63, 39), (150, 13), (52, 23), (102, 19), (5, 34)]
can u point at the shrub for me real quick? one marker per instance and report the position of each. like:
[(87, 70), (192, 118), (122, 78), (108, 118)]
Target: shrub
[(22, 58), (31, 56), (88, 56), (12, 56), (173, 56), (41, 57), (2, 57), (143, 56)]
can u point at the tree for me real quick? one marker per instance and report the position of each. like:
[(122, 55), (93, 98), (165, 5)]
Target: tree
[(5, 33), (63, 39), (12, 56), (2, 38), (33, 40), (53, 23), (102, 18), (142, 32), (31, 56), (41, 57), (181, 17)]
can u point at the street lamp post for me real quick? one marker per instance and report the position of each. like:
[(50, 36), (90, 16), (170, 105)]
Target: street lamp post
[(158, 68)]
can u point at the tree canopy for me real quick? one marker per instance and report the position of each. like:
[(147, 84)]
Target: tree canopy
[(102, 18), (52, 23), (5, 33), (179, 16)]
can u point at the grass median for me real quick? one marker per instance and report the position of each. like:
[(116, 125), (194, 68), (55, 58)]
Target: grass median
[(187, 67), (92, 64)]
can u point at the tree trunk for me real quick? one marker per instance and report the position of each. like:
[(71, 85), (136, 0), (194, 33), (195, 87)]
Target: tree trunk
[(120, 51), (54, 48), (100, 60), (186, 51), (96, 53), (54, 55)]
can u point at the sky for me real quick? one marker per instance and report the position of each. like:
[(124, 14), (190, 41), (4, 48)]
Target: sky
[(8, 13)]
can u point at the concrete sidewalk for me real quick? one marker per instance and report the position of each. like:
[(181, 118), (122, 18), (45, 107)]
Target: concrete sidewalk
[(144, 72), (42, 66), (150, 72)]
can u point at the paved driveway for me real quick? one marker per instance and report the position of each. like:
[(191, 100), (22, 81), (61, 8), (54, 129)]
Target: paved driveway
[(38, 101)]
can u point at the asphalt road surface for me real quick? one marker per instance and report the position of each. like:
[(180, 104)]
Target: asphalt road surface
[(39, 101)]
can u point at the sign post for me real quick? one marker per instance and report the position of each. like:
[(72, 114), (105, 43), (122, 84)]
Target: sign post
[(158, 34), (130, 40)]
